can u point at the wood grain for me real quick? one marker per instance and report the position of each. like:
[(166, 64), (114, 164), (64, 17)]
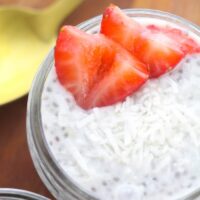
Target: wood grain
[(91, 8), (189, 9)]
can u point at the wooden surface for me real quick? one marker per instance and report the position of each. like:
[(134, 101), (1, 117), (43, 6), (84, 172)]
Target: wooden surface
[(189, 9), (16, 168)]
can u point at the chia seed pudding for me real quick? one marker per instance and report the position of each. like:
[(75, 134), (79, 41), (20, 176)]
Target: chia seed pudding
[(147, 147)]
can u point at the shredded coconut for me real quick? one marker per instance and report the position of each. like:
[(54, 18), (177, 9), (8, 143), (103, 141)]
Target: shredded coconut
[(147, 147)]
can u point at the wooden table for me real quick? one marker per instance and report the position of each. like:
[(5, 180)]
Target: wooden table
[(16, 167)]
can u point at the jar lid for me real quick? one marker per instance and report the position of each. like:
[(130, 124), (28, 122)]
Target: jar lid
[(17, 194)]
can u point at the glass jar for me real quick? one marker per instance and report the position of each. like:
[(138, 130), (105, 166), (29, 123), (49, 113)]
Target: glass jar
[(56, 180), (16, 194)]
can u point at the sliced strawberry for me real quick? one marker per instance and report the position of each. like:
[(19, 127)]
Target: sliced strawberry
[(186, 43), (160, 52), (119, 27), (160, 48), (125, 75), (75, 68), (96, 70)]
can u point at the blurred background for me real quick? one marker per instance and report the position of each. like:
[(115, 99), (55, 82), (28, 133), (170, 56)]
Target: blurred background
[(23, 46)]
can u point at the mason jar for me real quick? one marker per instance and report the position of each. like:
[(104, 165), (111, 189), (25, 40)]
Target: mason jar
[(56, 180), (17, 194)]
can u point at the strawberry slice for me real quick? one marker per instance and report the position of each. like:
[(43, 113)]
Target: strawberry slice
[(160, 48), (124, 76), (160, 52), (119, 27), (75, 68), (185, 43), (96, 70)]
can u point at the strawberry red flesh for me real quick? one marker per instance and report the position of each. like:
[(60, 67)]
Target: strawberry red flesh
[(96, 70), (162, 48), (186, 44), (125, 75), (160, 52), (119, 27), (159, 48), (75, 68)]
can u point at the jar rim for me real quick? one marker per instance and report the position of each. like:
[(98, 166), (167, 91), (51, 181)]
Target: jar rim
[(20, 194), (36, 137)]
